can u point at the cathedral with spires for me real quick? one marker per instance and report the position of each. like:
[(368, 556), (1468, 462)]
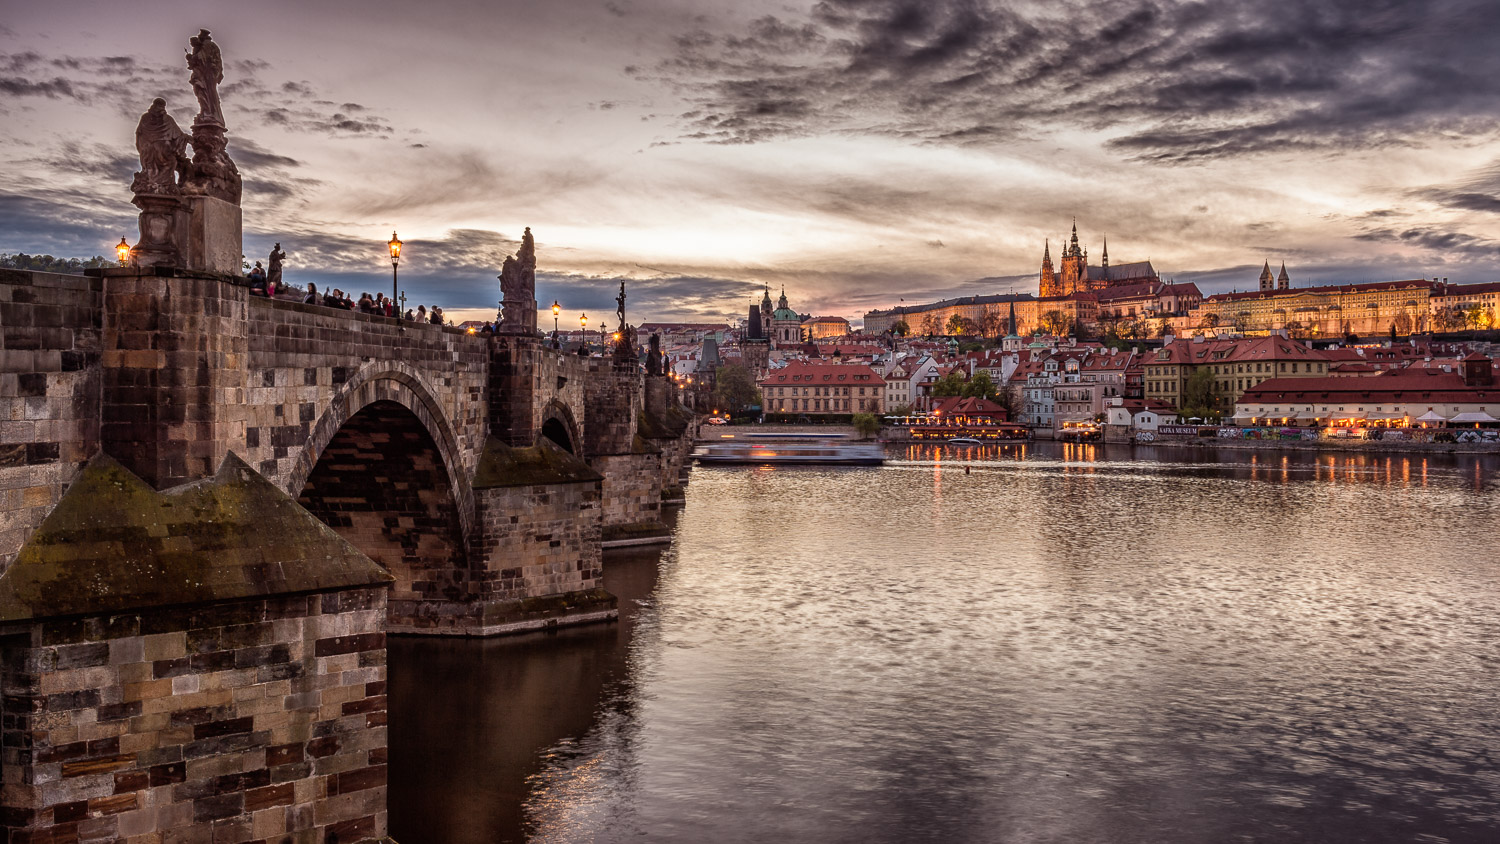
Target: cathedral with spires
[(1076, 276)]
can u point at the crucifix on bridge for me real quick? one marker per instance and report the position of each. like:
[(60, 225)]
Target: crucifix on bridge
[(620, 300)]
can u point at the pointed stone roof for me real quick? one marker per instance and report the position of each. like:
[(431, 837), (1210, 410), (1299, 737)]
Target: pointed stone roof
[(1283, 276), (1265, 273), (113, 544)]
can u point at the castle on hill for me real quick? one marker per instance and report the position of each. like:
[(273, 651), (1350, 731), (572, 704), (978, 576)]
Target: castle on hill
[(1076, 276)]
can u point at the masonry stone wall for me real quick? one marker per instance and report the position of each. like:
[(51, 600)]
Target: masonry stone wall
[(49, 394), (538, 542), (612, 401), (531, 382), (632, 493), (256, 720), (310, 368), (173, 359)]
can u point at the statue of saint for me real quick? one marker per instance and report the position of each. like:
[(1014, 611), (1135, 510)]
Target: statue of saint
[(207, 67), (527, 253), (620, 302), (163, 149), (653, 356), (273, 274), (211, 172)]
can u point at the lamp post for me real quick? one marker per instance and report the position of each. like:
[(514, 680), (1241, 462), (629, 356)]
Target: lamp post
[(556, 309), (395, 247), (123, 252), (584, 322)]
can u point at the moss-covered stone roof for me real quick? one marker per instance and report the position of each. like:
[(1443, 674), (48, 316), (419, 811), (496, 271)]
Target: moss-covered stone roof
[(502, 465), (670, 424), (114, 544)]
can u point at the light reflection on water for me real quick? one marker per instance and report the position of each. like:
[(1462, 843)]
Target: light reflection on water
[(1066, 643)]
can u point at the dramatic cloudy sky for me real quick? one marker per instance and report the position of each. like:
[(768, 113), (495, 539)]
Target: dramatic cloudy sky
[(857, 152)]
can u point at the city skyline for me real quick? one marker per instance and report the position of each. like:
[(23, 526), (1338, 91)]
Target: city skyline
[(858, 154)]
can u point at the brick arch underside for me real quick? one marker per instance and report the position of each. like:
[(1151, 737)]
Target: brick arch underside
[(381, 482), (558, 425)]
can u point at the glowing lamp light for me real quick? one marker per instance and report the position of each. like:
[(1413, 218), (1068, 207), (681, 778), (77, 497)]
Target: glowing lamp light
[(395, 247), (123, 251), (556, 309), (584, 321)]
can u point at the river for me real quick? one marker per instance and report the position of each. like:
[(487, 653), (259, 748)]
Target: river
[(1039, 643)]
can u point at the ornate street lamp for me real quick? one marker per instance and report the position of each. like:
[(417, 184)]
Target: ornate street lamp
[(584, 321), (123, 252), (556, 310), (395, 247)]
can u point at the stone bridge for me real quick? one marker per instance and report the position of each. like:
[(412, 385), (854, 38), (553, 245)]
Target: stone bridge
[(418, 443), (214, 507)]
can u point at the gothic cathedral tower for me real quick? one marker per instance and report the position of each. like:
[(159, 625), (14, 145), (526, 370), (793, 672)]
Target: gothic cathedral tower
[(1048, 286), (1074, 266)]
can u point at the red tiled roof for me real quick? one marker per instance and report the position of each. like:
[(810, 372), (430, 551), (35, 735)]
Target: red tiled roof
[(808, 372), (1401, 385), (1367, 287)]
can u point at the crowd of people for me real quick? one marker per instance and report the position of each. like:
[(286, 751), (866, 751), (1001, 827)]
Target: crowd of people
[(378, 305)]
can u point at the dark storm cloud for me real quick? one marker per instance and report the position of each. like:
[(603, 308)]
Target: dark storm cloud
[(109, 164), (127, 85), (1454, 244), (1183, 80), (63, 223), (1480, 191)]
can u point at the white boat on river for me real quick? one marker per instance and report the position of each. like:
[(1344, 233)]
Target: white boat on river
[(762, 449)]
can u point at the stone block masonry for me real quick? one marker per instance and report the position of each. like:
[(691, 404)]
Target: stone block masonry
[(260, 720), (49, 394), (205, 664)]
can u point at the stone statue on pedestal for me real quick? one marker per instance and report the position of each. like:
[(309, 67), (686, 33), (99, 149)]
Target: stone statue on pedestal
[(625, 351), (518, 289), (207, 66), (653, 356), (620, 304), (211, 172), (273, 266), (163, 149)]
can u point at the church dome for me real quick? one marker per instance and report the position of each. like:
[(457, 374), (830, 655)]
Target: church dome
[(786, 313)]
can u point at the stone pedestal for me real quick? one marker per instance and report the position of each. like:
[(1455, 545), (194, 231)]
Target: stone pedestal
[(215, 238), (163, 224)]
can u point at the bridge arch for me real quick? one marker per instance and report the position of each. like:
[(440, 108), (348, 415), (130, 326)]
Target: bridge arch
[(383, 470), (559, 426), (400, 384)]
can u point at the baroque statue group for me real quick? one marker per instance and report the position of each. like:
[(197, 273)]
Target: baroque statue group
[(169, 179)]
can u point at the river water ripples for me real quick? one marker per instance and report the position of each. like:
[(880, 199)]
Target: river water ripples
[(1039, 643)]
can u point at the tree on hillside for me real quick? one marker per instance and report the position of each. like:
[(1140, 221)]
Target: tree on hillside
[(49, 264), (981, 386), (955, 324), (734, 389), (865, 424), (951, 384), (930, 324), (991, 322), (1056, 323), (1009, 398), (1199, 395), (901, 329)]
